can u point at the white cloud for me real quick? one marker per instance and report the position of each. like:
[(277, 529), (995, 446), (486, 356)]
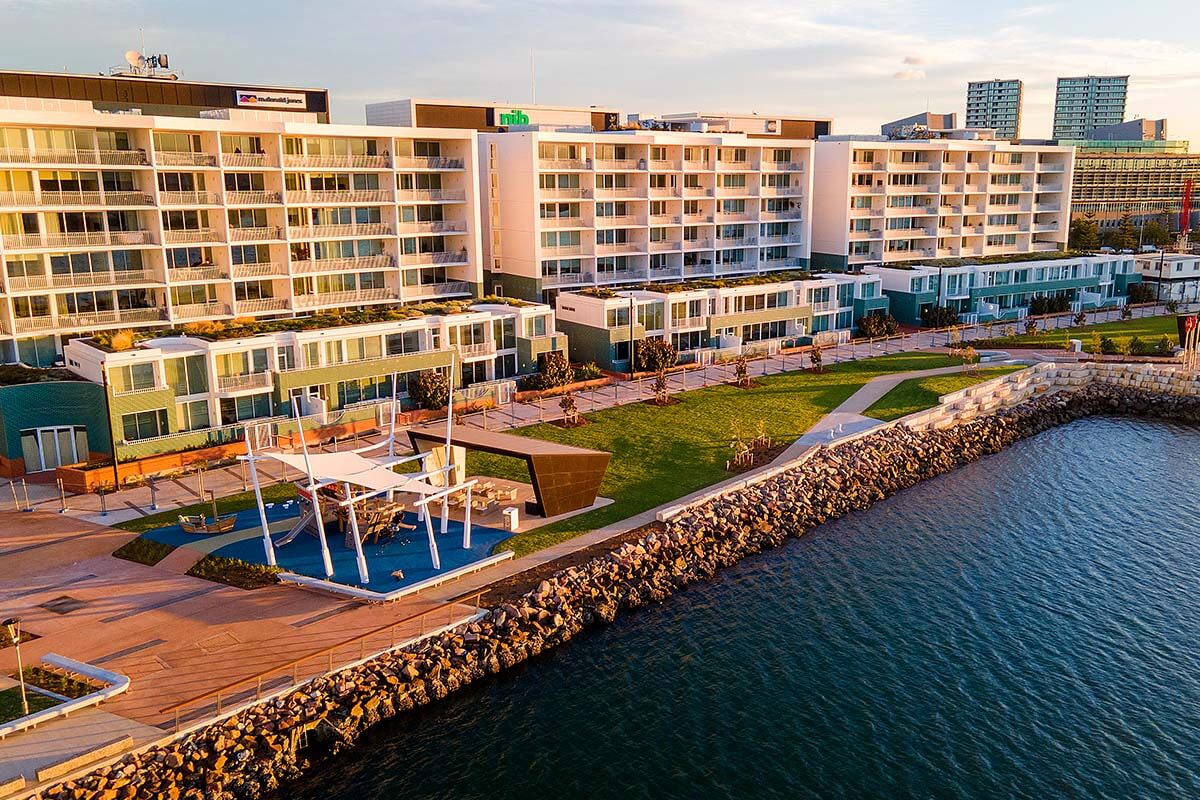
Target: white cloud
[(909, 75), (914, 61)]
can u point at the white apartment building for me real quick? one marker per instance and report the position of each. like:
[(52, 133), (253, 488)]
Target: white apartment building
[(996, 104), (703, 316), (1084, 103), (881, 201), (567, 210), (1172, 276), (113, 221)]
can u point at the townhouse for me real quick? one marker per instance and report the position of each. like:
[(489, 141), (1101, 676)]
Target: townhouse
[(569, 209), (1172, 276), (884, 201), (1003, 288), (702, 317)]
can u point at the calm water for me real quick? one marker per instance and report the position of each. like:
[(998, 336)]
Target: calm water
[(1027, 627)]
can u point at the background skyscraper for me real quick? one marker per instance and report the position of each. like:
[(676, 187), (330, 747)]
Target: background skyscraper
[(995, 104), (1085, 103)]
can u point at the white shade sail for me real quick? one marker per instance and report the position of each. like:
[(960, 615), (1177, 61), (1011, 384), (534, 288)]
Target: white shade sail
[(352, 468)]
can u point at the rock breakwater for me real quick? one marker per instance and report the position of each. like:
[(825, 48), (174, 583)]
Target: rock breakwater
[(256, 750)]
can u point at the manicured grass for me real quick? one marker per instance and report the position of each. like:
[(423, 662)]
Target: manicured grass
[(144, 551), (1148, 329), (918, 394), (234, 572), (10, 703), (660, 454), (276, 493)]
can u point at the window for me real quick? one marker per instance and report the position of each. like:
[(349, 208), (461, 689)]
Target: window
[(403, 343), (1002, 240), (187, 375), (237, 409), (144, 425), (535, 326), (193, 416), (133, 377)]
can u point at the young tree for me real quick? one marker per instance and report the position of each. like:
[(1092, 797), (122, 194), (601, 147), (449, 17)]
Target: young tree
[(432, 390), (661, 397), (877, 324), (816, 355), (570, 412), (939, 317), (1155, 233), (1085, 233), (741, 372), (655, 354)]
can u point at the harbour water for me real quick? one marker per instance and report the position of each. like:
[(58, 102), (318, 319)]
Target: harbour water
[(1027, 627)]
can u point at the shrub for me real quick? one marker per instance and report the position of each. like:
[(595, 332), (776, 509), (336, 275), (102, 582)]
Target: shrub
[(121, 340), (1126, 312), (1138, 348), (569, 409), (1140, 293), (656, 354), (1058, 304), (741, 372), (234, 572), (878, 324), (588, 372), (1031, 327), (432, 390), (817, 357), (1097, 343), (1164, 346), (143, 551), (1079, 319), (553, 371), (1108, 346), (939, 317)]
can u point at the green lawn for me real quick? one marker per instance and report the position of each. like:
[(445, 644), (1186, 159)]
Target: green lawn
[(10, 703), (918, 394), (1148, 329), (660, 454)]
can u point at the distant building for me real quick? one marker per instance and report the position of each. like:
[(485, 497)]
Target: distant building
[(1144, 178), (1135, 130), (996, 104), (1085, 103), (1172, 276), (489, 116), (755, 126), (923, 125), (162, 96)]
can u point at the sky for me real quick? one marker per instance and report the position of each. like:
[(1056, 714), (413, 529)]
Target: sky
[(863, 62)]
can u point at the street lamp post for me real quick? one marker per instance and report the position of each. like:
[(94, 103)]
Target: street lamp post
[(13, 625)]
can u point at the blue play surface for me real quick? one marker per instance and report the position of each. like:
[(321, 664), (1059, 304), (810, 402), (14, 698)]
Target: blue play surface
[(408, 551)]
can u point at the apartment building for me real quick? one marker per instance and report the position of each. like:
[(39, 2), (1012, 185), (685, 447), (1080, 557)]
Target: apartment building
[(568, 210), (701, 317), (996, 104), (181, 392), (489, 116), (112, 221), (1084, 103), (1145, 179), (1002, 289), (756, 126), (1172, 276), (882, 201)]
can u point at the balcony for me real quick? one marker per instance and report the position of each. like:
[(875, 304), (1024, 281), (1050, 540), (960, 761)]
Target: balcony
[(564, 250), (550, 223), (823, 306), (626, 221), (445, 258), (697, 166), (429, 162), (348, 161), (665, 219), (190, 235), (697, 244), (188, 199), (440, 226), (619, 191), (697, 219), (664, 166), (664, 273), (339, 196), (693, 270), (261, 269), (126, 157), (787, 262), (725, 242), (199, 310), (562, 163), (874, 233), (243, 383), (350, 298), (246, 160), (622, 275), (734, 166), (782, 191), (30, 241), (689, 322), (619, 248), (698, 191), (552, 280), (184, 158), (566, 193), (208, 272), (617, 164), (778, 216), (261, 305), (104, 319), (266, 233), (337, 231), (428, 291), (664, 246), (743, 216), (341, 264), (252, 198), (664, 191), (787, 238), (782, 166), (156, 387), (736, 191), (27, 199), (477, 349), (70, 279), (431, 195)]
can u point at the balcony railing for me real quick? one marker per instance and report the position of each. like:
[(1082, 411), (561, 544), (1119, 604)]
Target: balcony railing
[(562, 163), (567, 279), (254, 234), (619, 191), (259, 269), (190, 235), (792, 214), (735, 241), (201, 273), (478, 349), (782, 191), (787, 238), (262, 305), (340, 264), (334, 231), (429, 290), (184, 158), (101, 319), (564, 250), (446, 257), (625, 221), (742, 216), (688, 322), (619, 248), (346, 298), (663, 191), (664, 166), (665, 219), (139, 390), (125, 157), (734, 166), (188, 198), (563, 222), (697, 244), (735, 191), (697, 166), (786, 262), (663, 246), (114, 278), (339, 196), (199, 310), (571, 192), (436, 226), (823, 306), (430, 162), (432, 195), (348, 161), (238, 383), (783, 166), (253, 198), (616, 163), (75, 199), (29, 241), (245, 160)]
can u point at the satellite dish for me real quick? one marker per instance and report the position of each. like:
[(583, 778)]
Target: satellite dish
[(133, 58)]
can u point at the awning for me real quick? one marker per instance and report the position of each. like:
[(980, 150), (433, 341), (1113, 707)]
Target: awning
[(352, 468)]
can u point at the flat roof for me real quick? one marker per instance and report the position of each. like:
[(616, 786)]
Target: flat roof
[(445, 101), (250, 84), (697, 115)]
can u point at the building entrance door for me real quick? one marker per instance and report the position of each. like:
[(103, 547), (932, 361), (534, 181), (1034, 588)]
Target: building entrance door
[(46, 448)]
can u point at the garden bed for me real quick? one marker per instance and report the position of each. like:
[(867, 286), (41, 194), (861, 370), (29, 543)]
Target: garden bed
[(234, 572)]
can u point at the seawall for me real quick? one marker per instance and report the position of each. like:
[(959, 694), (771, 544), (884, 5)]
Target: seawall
[(256, 750)]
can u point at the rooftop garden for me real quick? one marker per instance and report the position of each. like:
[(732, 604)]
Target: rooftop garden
[(1007, 258), (700, 283), (17, 375), (240, 327)]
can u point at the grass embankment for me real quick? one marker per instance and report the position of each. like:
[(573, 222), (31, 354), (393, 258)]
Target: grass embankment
[(1148, 329), (234, 572), (661, 454), (918, 394), (10, 703)]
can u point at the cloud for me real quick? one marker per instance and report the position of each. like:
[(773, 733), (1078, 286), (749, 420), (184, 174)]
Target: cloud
[(909, 75), (914, 61), (1033, 11)]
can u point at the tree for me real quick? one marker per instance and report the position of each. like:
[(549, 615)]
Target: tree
[(661, 397), (817, 357), (432, 390), (1140, 293), (553, 371), (570, 412), (655, 354), (1085, 233), (878, 324), (741, 372), (1122, 237), (938, 317), (1155, 233)]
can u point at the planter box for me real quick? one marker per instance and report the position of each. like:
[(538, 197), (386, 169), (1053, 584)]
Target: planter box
[(578, 386)]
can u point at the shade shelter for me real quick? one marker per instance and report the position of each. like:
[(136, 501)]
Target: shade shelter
[(564, 478)]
